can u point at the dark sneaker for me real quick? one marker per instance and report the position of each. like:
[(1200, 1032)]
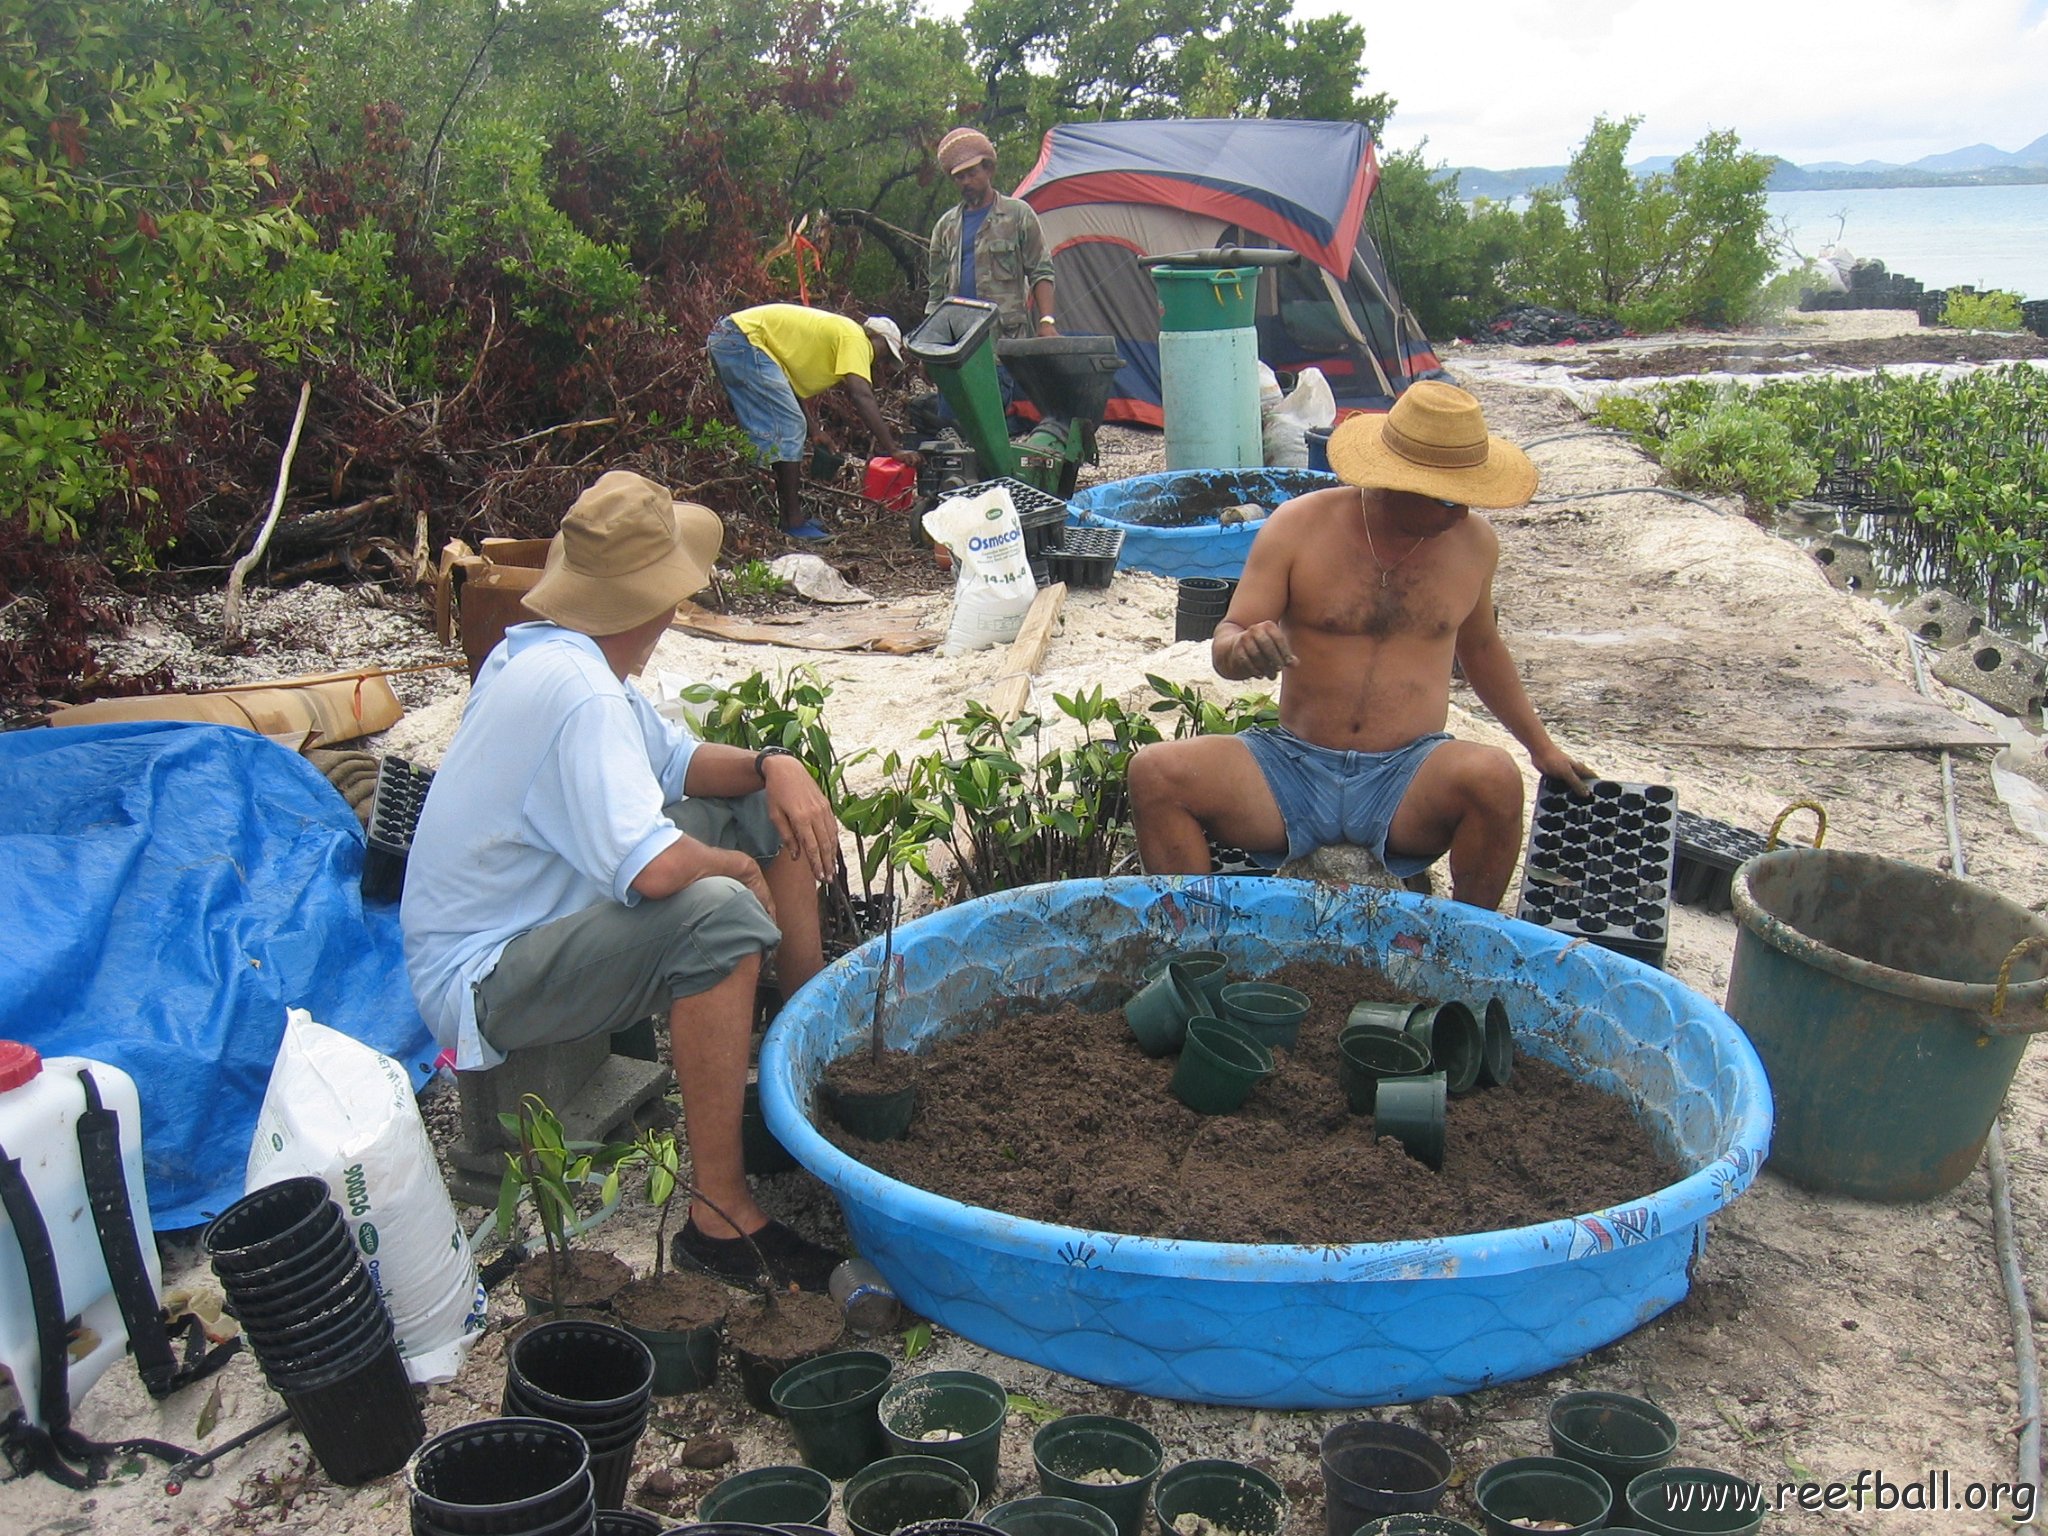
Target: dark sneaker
[(793, 1260)]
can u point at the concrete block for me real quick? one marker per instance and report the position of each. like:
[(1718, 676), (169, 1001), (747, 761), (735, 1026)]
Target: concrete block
[(2010, 678), (1942, 619), (598, 1096), (1847, 563)]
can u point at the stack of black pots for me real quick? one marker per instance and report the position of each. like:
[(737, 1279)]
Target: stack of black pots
[(1202, 603), (503, 1477), (592, 1377), (318, 1328)]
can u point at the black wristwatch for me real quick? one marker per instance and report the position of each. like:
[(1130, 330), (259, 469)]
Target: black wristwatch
[(761, 760)]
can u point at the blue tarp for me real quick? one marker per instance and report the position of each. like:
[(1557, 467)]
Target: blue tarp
[(172, 889)]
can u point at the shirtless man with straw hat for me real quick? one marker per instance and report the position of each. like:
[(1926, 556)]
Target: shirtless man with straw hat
[(1359, 598)]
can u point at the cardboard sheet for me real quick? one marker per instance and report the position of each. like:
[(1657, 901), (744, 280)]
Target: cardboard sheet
[(892, 630)]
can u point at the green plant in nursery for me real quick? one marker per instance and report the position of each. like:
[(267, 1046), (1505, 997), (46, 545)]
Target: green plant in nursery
[(753, 578), (1735, 446), (545, 1168), (1993, 311)]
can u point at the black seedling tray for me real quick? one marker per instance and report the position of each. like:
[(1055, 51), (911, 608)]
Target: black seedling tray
[(394, 813), (1600, 867), (1233, 861), (1708, 853), (1085, 557), (1039, 513)]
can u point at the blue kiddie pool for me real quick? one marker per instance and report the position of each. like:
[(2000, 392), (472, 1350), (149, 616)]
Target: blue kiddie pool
[(1170, 520), (1283, 1325)]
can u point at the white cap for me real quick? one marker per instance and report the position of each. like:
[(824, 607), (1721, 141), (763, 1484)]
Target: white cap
[(886, 329)]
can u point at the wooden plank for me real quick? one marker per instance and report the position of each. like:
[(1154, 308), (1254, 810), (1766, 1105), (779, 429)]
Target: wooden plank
[(1013, 686)]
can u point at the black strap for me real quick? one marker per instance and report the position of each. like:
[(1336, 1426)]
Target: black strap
[(31, 1448), (45, 1292), (113, 1217)]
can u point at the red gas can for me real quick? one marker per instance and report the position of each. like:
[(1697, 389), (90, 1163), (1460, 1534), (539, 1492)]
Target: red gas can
[(891, 482)]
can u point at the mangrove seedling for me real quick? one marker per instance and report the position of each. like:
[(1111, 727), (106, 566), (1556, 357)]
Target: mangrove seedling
[(545, 1167)]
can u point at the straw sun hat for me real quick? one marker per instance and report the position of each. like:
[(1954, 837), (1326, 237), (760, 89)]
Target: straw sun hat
[(626, 553), (1433, 442)]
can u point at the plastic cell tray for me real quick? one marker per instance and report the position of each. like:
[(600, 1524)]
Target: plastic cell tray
[(1233, 861), (1600, 867), (1040, 513), (1085, 557), (1708, 854), (394, 813)]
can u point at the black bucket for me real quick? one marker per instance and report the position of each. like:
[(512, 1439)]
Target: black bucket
[(362, 1423), (1201, 605), (1318, 440), (597, 1379), (499, 1477)]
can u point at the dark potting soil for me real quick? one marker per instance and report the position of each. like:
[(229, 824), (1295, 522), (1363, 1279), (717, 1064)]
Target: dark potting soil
[(864, 1072), (1060, 1117), (588, 1278), (672, 1302), (799, 1325)]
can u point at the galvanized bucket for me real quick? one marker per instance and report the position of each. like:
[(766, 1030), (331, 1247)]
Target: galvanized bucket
[(1890, 1005)]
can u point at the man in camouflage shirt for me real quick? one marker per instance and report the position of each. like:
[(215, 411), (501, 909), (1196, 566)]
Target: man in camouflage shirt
[(989, 247)]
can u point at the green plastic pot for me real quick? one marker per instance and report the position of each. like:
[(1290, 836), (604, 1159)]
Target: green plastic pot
[(871, 1116), (1416, 1525), (684, 1361), (769, 1496), (1046, 1515), (1411, 1110), (1159, 1011), (1373, 1467), (1080, 1444), (886, 1495), (830, 1403), (1650, 1497), (1541, 1488), (1224, 1493), (1456, 1043), (1377, 1015), (1366, 1055), (1208, 969), (1497, 1050), (968, 1404), (762, 1153), (1271, 1012), (1618, 1436), (1220, 1064)]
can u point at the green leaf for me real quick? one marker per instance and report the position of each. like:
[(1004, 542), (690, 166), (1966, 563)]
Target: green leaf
[(1033, 1409), (209, 1414), (916, 1340)]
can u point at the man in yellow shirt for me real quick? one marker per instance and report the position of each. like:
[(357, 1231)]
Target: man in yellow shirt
[(775, 360)]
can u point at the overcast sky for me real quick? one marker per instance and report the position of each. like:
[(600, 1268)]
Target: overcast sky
[(1506, 83)]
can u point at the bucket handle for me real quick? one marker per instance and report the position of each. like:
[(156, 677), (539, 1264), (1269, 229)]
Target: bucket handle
[(1820, 817), (2027, 946)]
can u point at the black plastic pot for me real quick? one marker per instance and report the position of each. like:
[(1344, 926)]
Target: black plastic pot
[(326, 1258), (626, 1522), (1420, 1525), (886, 1495), (499, 1477), (1047, 1515), (970, 1405), (770, 1496), (1372, 1469), (594, 1377), (271, 1225), (1199, 606), (871, 1116), (949, 1528), (1618, 1436), (759, 1149), (1072, 1447), (317, 1317), (361, 1423), (830, 1402), (758, 1373), (1541, 1488), (1649, 1503), (1224, 1493)]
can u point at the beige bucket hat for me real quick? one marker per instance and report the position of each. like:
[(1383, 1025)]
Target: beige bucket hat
[(627, 551)]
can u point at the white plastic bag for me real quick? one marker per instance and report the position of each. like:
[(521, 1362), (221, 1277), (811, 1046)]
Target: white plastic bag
[(994, 589), (340, 1110), (1309, 404)]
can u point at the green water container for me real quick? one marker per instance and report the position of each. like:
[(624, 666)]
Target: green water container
[(1209, 366)]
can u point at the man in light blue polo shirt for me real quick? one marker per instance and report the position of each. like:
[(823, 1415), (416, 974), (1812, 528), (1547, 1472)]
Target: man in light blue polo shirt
[(582, 862)]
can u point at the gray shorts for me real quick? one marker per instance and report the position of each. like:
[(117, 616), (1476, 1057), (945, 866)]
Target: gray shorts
[(609, 966), (1330, 796)]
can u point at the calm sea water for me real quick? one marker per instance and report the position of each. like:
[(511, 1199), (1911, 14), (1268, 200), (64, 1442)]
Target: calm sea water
[(1992, 237)]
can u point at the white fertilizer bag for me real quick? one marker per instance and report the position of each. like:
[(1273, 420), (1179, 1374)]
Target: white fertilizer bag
[(994, 590), (342, 1111)]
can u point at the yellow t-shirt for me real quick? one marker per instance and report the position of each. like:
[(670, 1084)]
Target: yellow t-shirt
[(814, 347)]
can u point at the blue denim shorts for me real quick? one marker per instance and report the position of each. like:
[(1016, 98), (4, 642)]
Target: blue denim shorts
[(1329, 796), (759, 390)]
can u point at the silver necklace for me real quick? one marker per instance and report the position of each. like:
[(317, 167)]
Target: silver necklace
[(1386, 570)]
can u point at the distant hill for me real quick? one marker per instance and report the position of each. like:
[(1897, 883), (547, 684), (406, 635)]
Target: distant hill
[(1975, 165)]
